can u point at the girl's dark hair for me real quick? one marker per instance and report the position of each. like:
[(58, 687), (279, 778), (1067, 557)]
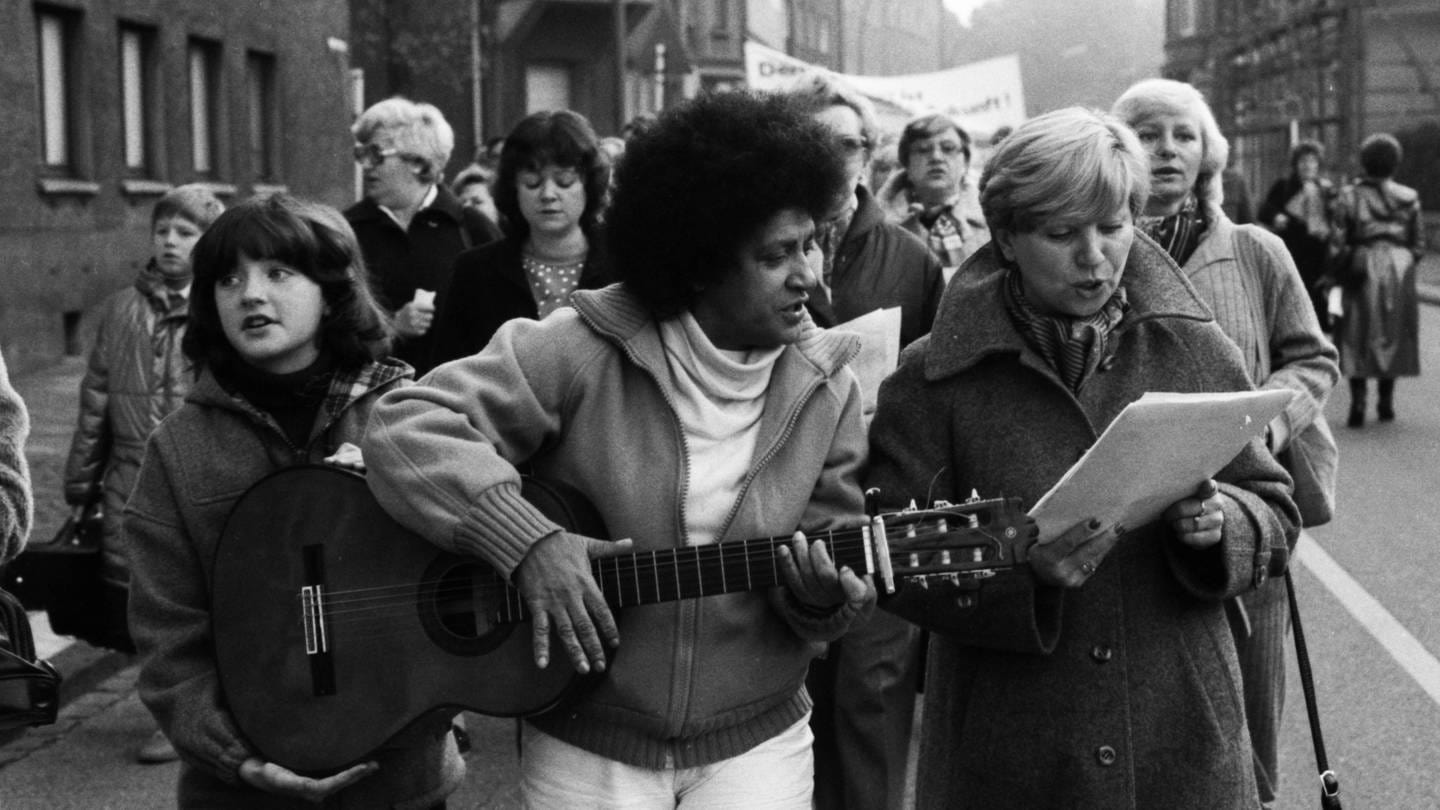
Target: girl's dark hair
[(1303, 148), (710, 173), (564, 138), (309, 237)]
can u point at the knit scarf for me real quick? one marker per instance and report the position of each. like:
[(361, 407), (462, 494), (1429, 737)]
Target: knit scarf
[(1072, 346), (1180, 232), (944, 234)]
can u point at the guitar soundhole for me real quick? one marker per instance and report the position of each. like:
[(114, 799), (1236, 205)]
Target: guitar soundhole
[(459, 604)]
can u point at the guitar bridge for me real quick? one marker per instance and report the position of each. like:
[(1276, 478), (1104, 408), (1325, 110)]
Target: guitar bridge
[(315, 622)]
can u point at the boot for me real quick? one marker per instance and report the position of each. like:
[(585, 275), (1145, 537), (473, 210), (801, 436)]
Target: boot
[(1357, 403), (1386, 406)]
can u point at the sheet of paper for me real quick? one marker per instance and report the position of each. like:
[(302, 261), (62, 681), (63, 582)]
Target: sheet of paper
[(879, 333), (424, 298), (1157, 451)]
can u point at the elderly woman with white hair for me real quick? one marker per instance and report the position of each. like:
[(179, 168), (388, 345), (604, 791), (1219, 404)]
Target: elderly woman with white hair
[(1249, 280), (411, 227)]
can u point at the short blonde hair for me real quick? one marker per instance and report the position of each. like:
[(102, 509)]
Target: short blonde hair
[(1151, 96), (418, 130), (1070, 162), (817, 92)]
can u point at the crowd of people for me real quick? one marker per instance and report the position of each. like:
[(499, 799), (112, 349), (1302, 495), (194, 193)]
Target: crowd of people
[(658, 320)]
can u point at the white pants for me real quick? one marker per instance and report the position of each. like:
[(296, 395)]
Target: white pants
[(778, 774)]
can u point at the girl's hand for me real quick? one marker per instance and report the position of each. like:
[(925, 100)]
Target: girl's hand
[(414, 319), (348, 456), (1071, 559), (272, 778), (1198, 521)]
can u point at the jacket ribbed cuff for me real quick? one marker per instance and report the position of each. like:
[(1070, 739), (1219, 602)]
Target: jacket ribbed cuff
[(501, 527)]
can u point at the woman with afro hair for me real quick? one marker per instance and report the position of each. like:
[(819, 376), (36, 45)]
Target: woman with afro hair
[(694, 402)]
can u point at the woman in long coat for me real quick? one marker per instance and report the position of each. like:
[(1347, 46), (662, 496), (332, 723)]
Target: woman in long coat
[(1103, 675), (1379, 334)]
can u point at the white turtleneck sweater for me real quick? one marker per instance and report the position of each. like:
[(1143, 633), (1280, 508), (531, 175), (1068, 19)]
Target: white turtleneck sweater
[(720, 397)]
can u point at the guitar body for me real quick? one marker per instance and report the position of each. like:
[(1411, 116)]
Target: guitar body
[(335, 627)]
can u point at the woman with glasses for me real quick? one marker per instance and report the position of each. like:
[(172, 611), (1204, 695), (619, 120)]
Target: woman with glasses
[(411, 227), (550, 189), (932, 195)]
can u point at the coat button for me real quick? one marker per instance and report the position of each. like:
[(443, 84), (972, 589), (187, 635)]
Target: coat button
[(1101, 653), (1105, 755)]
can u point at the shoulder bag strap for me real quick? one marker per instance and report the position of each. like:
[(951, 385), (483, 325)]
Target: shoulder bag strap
[(1329, 782)]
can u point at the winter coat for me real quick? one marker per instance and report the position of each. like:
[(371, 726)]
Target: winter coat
[(16, 505), (1124, 692), (488, 286), (1306, 248), (136, 376), (584, 397), (880, 265), (1244, 274), (420, 257), (197, 465), (1379, 334)]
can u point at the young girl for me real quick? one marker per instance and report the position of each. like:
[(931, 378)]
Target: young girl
[(286, 340)]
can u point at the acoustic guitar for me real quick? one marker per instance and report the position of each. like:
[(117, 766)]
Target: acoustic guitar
[(335, 627)]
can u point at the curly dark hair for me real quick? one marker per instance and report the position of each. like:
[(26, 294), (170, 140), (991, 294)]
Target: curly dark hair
[(309, 237), (708, 176), (560, 137), (1303, 148), (1380, 155)]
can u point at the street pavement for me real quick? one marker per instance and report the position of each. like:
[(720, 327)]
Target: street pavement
[(85, 760)]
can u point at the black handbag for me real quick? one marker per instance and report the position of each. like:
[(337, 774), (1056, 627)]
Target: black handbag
[(63, 578), (29, 688)]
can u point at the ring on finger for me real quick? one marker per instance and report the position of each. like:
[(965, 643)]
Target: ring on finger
[(1087, 568)]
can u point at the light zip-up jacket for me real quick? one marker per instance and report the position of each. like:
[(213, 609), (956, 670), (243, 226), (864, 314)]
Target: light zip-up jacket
[(584, 397)]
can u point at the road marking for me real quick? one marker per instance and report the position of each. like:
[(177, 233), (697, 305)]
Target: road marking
[(1407, 650)]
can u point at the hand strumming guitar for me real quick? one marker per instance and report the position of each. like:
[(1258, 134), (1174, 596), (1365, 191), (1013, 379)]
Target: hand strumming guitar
[(559, 589)]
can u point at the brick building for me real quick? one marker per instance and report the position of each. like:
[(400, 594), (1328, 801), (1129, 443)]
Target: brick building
[(1332, 70), (106, 104)]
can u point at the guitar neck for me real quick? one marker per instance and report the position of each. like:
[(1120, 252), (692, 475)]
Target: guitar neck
[(671, 574)]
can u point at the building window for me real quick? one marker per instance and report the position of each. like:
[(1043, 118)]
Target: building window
[(204, 67), (263, 120), (1185, 18), (54, 33), (137, 97), (547, 86)]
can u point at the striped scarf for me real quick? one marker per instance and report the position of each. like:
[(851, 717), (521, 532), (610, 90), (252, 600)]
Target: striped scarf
[(945, 237), (1072, 346), (1180, 232)]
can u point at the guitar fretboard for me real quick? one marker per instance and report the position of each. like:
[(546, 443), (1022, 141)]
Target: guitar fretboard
[(667, 575)]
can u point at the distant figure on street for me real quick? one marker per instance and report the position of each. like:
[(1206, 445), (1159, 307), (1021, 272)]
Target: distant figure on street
[(1379, 333), (472, 189), (1300, 208), (136, 376), (932, 194), (864, 688), (551, 187), (410, 226), (17, 506)]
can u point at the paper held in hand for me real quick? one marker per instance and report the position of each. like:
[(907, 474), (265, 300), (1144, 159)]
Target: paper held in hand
[(879, 333), (1156, 452)]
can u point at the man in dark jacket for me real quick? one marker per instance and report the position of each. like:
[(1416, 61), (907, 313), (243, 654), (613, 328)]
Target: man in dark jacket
[(864, 690), (410, 226)]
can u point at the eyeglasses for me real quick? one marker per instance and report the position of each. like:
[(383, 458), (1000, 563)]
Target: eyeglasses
[(369, 155), (852, 145)]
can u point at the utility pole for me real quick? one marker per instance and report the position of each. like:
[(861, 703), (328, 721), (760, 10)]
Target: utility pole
[(477, 115), (619, 15)]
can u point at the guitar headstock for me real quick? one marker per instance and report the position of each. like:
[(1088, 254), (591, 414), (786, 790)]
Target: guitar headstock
[(951, 542)]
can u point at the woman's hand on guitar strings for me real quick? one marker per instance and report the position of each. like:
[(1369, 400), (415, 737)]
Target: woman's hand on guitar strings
[(272, 778), (560, 591), (815, 581)]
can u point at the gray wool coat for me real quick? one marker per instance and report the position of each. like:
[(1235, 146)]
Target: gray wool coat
[(1125, 692)]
